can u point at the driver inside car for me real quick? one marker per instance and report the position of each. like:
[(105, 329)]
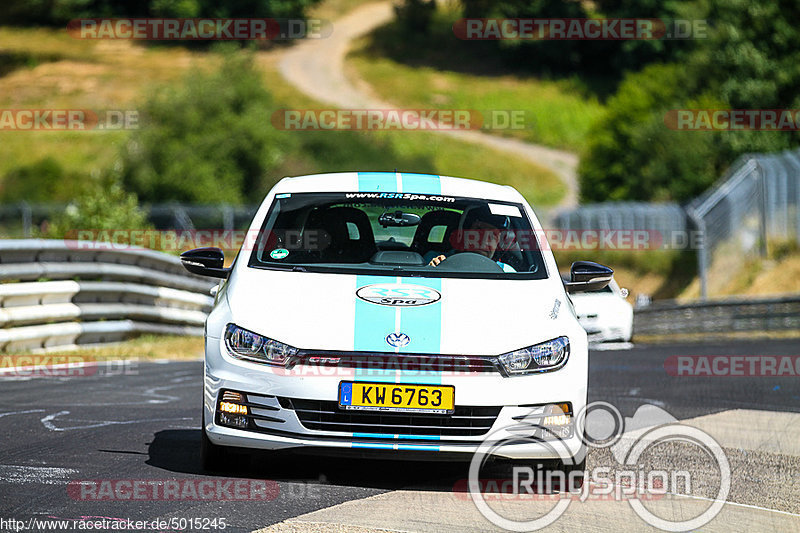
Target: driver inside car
[(482, 236)]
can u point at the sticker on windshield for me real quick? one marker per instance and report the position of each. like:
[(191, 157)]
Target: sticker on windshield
[(279, 253), (398, 295), (505, 210), (284, 195)]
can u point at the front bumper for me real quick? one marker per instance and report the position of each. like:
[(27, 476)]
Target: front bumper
[(298, 409)]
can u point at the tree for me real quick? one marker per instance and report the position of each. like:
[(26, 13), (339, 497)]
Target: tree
[(209, 141)]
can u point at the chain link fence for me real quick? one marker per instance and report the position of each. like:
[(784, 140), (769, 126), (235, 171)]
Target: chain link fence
[(664, 218), (754, 205)]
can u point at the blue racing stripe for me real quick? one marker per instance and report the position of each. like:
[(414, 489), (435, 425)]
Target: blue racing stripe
[(424, 325), (421, 183), (372, 324), (377, 182), (393, 436), (417, 447)]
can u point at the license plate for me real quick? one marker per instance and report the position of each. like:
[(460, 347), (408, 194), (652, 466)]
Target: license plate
[(398, 397)]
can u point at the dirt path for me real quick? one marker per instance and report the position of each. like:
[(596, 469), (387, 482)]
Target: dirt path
[(316, 67)]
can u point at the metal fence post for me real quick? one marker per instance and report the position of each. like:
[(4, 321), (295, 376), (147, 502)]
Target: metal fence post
[(27, 219), (227, 218), (702, 252), (762, 207)]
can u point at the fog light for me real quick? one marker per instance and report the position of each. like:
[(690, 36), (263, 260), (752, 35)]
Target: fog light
[(237, 421)]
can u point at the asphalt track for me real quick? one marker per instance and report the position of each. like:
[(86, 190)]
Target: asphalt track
[(141, 422)]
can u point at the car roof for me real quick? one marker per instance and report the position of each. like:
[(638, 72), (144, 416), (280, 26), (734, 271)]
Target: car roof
[(405, 182)]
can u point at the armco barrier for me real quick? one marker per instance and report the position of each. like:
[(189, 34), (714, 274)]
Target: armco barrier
[(718, 316), (57, 293)]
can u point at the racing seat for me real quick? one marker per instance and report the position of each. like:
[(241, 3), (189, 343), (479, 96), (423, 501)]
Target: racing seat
[(422, 243), (343, 244)]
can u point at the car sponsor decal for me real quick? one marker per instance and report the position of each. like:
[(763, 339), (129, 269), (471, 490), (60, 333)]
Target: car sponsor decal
[(556, 307), (398, 294), (279, 253)]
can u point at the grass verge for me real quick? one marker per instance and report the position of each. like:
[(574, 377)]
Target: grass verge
[(557, 113), (146, 347)]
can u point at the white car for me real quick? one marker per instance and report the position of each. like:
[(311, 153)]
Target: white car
[(605, 314), (393, 312)]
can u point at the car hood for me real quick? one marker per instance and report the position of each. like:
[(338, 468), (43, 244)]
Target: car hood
[(339, 312)]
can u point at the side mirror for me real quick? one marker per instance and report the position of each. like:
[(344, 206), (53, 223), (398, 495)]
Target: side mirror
[(586, 276), (205, 262)]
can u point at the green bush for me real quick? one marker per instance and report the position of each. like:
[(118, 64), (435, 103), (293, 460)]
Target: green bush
[(632, 153), (208, 141), (104, 205)]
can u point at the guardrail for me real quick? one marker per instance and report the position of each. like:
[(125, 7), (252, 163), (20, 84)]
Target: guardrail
[(56, 293), (718, 316)]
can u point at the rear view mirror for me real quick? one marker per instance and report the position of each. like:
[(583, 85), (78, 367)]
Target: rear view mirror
[(398, 219), (585, 276), (205, 262)]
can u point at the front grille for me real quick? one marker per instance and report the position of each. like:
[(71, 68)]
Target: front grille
[(457, 364), (321, 415)]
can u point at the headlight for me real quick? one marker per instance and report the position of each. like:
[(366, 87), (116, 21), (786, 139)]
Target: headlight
[(245, 344), (549, 355)]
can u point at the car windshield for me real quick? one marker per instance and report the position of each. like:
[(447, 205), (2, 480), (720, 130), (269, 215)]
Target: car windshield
[(399, 234)]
